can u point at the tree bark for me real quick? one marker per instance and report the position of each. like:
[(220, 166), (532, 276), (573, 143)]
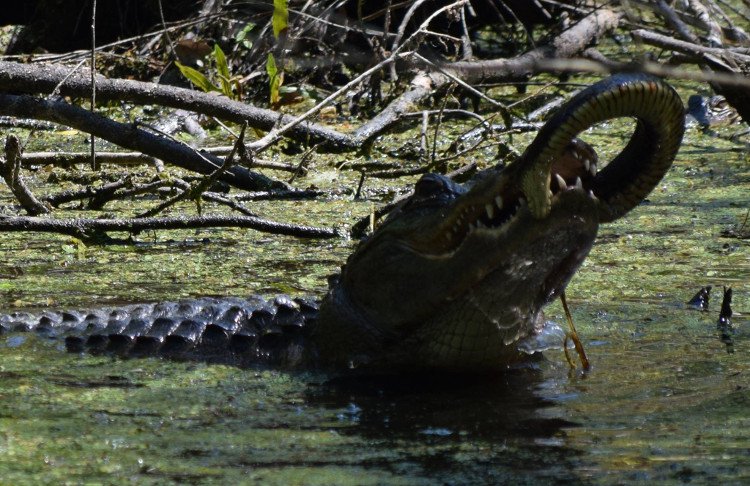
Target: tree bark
[(134, 138), (83, 227), (33, 79)]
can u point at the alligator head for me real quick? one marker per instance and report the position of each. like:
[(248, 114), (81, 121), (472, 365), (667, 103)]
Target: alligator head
[(457, 276)]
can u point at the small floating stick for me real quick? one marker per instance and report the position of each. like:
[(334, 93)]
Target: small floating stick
[(724, 324), (573, 335)]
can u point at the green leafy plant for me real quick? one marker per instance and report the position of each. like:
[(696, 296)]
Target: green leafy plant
[(242, 38), (280, 20), (275, 80), (280, 23), (223, 83)]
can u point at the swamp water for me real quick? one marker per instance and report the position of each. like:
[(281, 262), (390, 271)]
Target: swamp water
[(665, 400)]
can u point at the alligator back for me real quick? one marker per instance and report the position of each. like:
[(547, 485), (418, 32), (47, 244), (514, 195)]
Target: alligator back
[(228, 330)]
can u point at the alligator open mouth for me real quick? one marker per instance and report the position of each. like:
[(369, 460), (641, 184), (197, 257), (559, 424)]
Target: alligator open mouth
[(574, 170)]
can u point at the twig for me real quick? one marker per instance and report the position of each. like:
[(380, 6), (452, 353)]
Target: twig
[(706, 22), (274, 135), (675, 22), (10, 172), (195, 191), (459, 81), (361, 183), (25, 78), (404, 23), (131, 137), (301, 168), (447, 113), (438, 124), (573, 335), (92, 140), (666, 42), (276, 195), (589, 66), (423, 135), (56, 200), (30, 124), (69, 159), (466, 50)]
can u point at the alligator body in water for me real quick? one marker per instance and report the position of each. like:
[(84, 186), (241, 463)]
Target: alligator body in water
[(456, 277)]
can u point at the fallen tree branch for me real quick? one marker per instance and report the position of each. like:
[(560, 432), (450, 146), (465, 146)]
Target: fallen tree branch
[(685, 47), (578, 65), (132, 137), (84, 228), (424, 84), (674, 21), (9, 169), (106, 191), (195, 190), (70, 159), (569, 43), (28, 78)]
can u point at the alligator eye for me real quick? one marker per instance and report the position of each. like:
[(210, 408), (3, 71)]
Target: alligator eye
[(432, 186)]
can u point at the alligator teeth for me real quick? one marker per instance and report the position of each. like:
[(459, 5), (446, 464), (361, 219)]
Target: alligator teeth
[(579, 184), (576, 154), (499, 202), (592, 169), (587, 164), (592, 195), (490, 209), (561, 182), (472, 227), (480, 225)]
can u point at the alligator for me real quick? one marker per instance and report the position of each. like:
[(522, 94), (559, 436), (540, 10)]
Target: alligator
[(454, 279)]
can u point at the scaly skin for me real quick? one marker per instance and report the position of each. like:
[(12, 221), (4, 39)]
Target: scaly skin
[(456, 278)]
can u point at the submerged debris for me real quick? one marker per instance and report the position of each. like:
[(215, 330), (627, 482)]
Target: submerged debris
[(700, 299), (724, 324)]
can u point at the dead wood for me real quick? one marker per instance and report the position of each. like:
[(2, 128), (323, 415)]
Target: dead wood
[(132, 137), (9, 169), (70, 159), (716, 54), (571, 42), (88, 229), (196, 190), (33, 78), (99, 196), (25, 78)]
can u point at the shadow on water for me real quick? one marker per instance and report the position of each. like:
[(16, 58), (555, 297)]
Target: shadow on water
[(497, 428)]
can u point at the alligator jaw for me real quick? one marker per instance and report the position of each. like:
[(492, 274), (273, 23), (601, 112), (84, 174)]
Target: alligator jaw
[(494, 202)]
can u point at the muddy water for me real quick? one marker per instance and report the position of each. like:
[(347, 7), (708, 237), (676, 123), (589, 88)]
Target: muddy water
[(666, 398)]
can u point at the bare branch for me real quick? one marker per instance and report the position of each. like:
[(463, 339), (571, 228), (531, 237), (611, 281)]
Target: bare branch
[(132, 137), (25, 78), (10, 172), (84, 228)]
